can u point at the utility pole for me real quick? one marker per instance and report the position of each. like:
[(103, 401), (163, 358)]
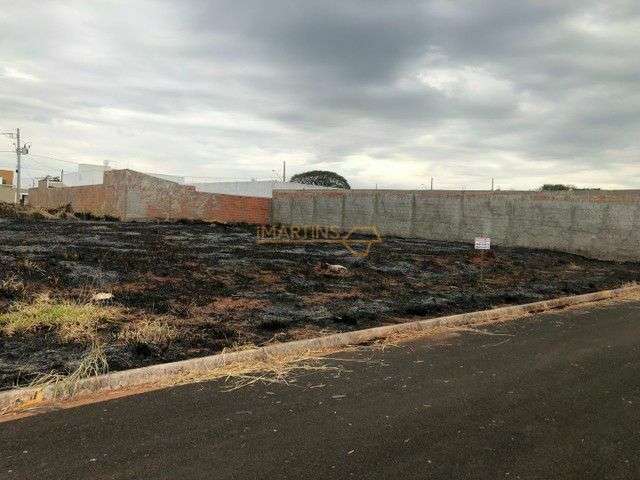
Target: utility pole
[(284, 171), (492, 180), (18, 168), (431, 183), (20, 150)]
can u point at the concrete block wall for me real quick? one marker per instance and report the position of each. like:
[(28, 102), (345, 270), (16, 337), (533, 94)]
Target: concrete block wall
[(130, 195), (7, 194), (597, 224), (96, 199)]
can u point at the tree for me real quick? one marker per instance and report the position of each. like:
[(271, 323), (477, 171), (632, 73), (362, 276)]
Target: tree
[(321, 178), (559, 187), (556, 187)]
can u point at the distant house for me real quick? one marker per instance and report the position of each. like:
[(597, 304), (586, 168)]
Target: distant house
[(7, 190), (6, 177)]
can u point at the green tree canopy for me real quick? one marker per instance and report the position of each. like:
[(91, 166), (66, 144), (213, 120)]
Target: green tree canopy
[(556, 187), (321, 178)]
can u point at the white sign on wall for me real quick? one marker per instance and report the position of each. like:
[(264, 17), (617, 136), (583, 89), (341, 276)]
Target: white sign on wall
[(483, 243)]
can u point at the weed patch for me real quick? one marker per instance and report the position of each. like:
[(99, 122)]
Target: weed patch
[(93, 363), (148, 332), (228, 304), (72, 321), (11, 286)]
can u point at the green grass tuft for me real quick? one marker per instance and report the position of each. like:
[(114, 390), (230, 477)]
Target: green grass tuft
[(73, 321)]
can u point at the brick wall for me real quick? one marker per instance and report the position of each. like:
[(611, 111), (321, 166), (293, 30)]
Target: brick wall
[(130, 195), (85, 199), (148, 197)]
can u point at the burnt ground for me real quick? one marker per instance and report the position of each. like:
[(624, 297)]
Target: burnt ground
[(219, 289)]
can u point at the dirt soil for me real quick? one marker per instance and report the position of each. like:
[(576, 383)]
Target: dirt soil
[(215, 288)]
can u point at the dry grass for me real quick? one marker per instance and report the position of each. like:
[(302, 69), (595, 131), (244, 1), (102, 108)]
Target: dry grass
[(301, 333), (285, 368), (131, 287), (10, 210), (148, 332), (12, 285), (389, 283), (273, 369), (325, 297), (632, 295), (92, 364), (397, 339), (230, 304), (268, 278), (31, 266), (73, 321)]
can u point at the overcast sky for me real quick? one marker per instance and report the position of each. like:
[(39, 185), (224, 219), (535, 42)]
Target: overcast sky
[(386, 93)]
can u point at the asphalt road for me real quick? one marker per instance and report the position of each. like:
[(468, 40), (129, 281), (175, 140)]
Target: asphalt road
[(552, 396)]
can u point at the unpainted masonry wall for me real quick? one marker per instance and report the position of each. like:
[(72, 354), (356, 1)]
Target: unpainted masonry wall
[(597, 224), (130, 195), (7, 194)]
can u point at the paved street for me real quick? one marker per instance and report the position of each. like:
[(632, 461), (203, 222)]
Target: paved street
[(551, 396)]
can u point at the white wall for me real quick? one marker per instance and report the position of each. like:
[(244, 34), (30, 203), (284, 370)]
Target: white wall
[(90, 174), (87, 174), (258, 188), (171, 178)]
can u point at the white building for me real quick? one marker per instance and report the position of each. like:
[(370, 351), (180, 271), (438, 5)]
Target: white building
[(87, 174), (255, 188), (90, 174)]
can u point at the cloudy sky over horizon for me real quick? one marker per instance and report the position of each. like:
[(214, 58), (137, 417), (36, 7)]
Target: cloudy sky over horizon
[(386, 93)]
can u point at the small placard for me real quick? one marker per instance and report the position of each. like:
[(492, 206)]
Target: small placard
[(483, 243)]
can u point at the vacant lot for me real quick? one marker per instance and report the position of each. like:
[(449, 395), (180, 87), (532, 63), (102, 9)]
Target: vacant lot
[(186, 290)]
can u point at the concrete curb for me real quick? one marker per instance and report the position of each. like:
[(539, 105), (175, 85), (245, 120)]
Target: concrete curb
[(158, 373)]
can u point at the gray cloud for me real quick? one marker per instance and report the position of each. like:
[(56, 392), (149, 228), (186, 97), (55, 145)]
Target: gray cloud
[(385, 92)]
